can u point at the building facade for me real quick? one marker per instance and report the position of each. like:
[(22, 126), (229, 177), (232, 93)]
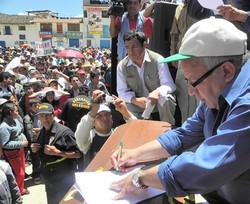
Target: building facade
[(92, 12), (91, 30)]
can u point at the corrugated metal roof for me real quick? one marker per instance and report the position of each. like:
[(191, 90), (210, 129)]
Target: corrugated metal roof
[(15, 19), (25, 19), (57, 20)]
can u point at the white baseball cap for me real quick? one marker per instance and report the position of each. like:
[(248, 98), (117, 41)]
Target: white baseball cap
[(209, 38), (3, 101), (103, 108)]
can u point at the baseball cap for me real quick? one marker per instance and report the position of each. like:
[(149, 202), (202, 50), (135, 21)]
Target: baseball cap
[(103, 108), (5, 75), (27, 85), (83, 89), (211, 37), (3, 101), (45, 108), (33, 101)]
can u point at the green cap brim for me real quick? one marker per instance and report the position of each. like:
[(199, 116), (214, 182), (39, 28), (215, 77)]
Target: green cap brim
[(176, 57)]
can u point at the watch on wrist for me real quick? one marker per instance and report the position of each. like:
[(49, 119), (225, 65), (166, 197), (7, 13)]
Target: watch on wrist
[(136, 180)]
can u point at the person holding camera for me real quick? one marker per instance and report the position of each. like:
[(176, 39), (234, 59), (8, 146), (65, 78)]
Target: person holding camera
[(95, 127), (95, 82), (133, 19)]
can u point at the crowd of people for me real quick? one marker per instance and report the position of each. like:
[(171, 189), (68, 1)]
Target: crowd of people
[(59, 111), (42, 101)]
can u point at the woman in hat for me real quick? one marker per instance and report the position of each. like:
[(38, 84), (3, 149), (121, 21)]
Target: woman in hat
[(53, 97), (13, 142)]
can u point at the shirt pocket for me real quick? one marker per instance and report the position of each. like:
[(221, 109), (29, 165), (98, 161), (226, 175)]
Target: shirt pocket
[(133, 82)]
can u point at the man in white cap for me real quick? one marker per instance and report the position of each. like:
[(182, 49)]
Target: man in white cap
[(211, 55), (95, 127)]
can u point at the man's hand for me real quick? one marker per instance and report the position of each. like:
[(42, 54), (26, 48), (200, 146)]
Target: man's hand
[(128, 158), (35, 147), (51, 150), (97, 96), (36, 131), (154, 97), (231, 13), (96, 100), (25, 143), (141, 102), (124, 187)]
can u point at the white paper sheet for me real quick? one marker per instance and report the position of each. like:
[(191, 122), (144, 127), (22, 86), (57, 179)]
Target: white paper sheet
[(211, 4), (148, 110), (94, 187)]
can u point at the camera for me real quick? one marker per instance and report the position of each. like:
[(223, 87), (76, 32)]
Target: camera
[(106, 98), (118, 7), (109, 99)]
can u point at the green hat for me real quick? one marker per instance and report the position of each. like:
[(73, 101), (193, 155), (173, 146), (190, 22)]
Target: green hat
[(211, 37), (174, 58)]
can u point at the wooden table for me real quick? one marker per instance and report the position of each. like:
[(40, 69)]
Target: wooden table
[(132, 134)]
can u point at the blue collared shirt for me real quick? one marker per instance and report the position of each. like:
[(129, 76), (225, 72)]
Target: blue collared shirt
[(221, 162)]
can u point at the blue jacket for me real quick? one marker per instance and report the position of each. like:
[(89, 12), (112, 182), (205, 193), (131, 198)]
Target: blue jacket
[(221, 162)]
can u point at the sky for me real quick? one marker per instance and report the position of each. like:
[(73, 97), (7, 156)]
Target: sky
[(64, 8)]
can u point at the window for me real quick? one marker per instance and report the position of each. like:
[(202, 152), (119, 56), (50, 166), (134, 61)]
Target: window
[(59, 28), (46, 27), (85, 14), (21, 28), (73, 27), (22, 37), (88, 34), (99, 1), (105, 14), (7, 30), (105, 30)]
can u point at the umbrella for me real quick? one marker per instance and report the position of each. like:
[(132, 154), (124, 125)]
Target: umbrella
[(72, 48), (25, 45), (69, 53)]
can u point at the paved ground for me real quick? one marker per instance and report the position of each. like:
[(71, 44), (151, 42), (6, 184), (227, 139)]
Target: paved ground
[(37, 192)]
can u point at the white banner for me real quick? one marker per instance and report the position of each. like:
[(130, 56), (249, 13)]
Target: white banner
[(43, 48)]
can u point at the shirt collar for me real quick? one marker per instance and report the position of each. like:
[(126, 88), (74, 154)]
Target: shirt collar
[(52, 128), (238, 84), (103, 135), (146, 58)]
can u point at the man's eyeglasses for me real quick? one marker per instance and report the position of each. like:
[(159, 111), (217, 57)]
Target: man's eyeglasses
[(204, 76)]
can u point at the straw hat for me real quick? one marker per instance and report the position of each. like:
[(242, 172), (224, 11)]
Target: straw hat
[(87, 64)]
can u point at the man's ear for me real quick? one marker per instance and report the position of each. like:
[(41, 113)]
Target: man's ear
[(229, 71), (145, 44)]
